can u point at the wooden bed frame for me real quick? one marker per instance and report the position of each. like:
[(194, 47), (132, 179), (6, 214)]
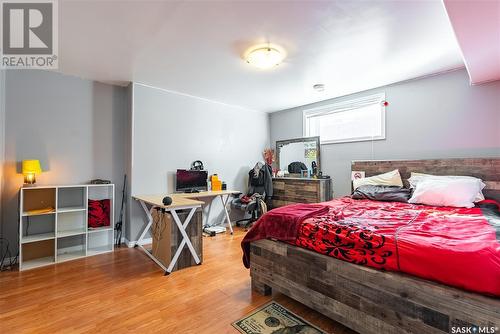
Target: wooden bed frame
[(373, 301)]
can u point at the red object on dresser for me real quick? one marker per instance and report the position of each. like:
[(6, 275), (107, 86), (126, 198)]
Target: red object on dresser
[(454, 246), (99, 213)]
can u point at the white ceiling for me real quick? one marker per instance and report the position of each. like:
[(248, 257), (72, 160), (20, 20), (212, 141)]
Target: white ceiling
[(195, 47), (477, 27)]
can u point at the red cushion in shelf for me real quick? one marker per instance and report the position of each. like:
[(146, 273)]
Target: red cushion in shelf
[(99, 213)]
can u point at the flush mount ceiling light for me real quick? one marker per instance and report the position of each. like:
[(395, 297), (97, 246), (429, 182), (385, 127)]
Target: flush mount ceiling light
[(265, 56)]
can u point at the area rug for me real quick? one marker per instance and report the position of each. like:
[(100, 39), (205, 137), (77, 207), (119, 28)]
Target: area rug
[(273, 318)]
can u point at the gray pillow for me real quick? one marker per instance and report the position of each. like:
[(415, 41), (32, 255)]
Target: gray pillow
[(382, 193)]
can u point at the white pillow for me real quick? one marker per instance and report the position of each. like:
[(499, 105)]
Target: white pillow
[(416, 178), (387, 179), (458, 193)]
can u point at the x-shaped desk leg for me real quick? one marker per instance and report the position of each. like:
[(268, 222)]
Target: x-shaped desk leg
[(148, 226), (139, 242), (224, 203), (182, 229), (185, 240)]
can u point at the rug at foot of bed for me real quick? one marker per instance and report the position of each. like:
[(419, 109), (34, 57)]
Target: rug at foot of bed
[(273, 318)]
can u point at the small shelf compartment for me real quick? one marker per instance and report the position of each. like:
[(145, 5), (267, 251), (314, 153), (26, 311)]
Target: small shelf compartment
[(37, 228), (70, 199), (71, 247), (101, 192), (37, 254), (100, 242), (38, 201), (38, 237), (71, 223)]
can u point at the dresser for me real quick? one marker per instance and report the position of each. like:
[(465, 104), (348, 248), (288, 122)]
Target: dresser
[(290, 190)]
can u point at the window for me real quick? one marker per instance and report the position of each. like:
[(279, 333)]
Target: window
[(348, 121)]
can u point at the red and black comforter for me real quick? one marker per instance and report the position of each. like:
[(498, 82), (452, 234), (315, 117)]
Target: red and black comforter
[(454, 246)]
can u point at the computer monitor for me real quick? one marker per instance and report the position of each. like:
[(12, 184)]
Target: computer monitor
[(191, 180)]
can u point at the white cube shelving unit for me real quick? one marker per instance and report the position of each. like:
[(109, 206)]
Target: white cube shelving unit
[(54, 224)]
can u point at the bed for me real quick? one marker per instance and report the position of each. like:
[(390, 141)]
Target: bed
[(371, 289)]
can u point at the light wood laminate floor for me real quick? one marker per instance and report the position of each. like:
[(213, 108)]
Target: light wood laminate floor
[(125, 291)]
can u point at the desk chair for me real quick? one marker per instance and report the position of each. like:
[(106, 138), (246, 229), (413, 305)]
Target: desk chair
[(260, 188), (253, 208)]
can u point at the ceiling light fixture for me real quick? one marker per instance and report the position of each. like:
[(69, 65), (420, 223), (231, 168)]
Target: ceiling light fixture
[(265, 56)]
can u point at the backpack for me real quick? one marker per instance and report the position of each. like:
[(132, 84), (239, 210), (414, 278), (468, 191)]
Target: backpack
[(258, 180), (296, 167)]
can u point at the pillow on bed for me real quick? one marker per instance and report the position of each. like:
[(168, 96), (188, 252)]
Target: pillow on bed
[(416, 178), (387, 179), (382, 193), (459, 193)]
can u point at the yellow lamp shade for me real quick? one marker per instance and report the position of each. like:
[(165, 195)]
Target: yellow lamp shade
[(31, 167)]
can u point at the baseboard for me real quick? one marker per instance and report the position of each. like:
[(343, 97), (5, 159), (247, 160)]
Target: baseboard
[(131, 244)]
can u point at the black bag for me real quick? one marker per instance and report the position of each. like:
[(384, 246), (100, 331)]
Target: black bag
[(296, 167), (258, 180)]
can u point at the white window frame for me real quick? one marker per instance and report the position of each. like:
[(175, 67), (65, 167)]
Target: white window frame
[(342, 107)]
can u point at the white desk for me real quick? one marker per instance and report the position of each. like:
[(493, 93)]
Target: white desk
[(212, 194), (180, 202)]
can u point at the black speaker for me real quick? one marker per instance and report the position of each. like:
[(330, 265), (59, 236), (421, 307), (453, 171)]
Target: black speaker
[(167, 200)]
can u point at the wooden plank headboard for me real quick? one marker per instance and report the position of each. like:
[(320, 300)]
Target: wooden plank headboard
[(487, 169)]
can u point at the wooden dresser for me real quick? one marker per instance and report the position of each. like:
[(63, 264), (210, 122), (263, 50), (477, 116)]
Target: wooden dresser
[(289, 190)]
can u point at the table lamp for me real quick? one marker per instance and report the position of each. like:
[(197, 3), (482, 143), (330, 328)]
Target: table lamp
[(30, 169)]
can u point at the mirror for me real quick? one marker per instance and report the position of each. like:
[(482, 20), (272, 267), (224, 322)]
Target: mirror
[(305, 150)]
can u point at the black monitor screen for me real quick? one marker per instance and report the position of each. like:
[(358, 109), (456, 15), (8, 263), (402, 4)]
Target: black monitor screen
[(191, 179)]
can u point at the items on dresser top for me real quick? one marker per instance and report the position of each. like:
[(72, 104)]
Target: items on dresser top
[(296, 167), (289, 190)]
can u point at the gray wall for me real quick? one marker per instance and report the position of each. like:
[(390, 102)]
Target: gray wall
[(435, 117), (2, 139), (75, 127), (171, 130)]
